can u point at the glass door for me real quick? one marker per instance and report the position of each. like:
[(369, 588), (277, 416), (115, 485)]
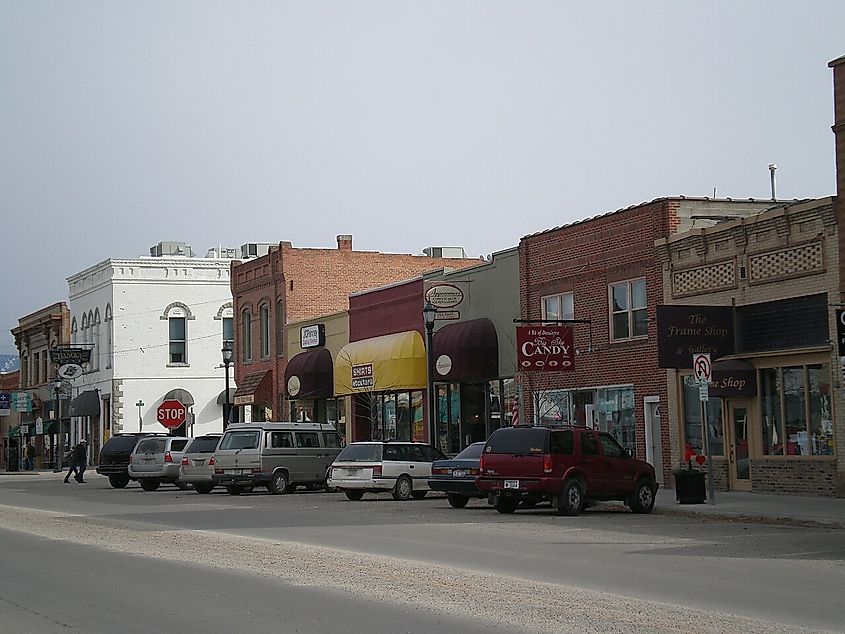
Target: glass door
[(739, 425)]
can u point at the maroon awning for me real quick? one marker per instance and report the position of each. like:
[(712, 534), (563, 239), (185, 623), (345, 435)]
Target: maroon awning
[(733, 377), (466, 351), (310, 375)]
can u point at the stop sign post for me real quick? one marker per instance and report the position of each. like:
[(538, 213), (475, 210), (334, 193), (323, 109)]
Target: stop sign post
[(171, 413)]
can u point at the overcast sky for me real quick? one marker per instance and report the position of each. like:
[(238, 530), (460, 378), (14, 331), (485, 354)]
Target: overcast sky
[(406, 124)]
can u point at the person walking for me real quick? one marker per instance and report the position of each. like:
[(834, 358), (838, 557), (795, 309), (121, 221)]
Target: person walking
[(80, 460), (71, 459), (30, 455)]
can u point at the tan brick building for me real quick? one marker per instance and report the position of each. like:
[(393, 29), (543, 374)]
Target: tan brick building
[(292, 284)]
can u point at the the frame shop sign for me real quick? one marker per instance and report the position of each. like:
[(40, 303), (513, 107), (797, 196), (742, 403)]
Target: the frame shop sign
[(683, 331)]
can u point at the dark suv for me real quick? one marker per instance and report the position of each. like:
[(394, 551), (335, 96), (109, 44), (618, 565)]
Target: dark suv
[(114, 457), (566, 466)]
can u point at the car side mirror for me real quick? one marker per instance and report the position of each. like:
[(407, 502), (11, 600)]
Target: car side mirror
[(628, 453)]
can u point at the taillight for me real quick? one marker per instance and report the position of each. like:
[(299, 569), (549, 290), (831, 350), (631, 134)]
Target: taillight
[(130, 458), (185, 462), (440, 471), (168, 457), (377, 471), (211, 461), (547, 463), (472, 471), (481, 463)]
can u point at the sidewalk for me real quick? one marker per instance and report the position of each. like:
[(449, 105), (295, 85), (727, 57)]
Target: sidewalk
[(737, 505)]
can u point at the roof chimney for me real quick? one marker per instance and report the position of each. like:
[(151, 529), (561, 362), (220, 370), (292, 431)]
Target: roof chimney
[(838, 66), (344, 242)]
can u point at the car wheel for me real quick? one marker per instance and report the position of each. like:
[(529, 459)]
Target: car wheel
[(571, 499), (403, 489), (203, 488), (150, 484), (234, 490), (418, 495), (354, 495), (506, 504), (118, 482), (279, 483), (457, 501), (642, 499)]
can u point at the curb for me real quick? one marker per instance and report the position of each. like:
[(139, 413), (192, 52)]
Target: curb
[(758, 518)]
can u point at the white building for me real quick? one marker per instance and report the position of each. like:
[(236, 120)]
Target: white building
[(156, 325)]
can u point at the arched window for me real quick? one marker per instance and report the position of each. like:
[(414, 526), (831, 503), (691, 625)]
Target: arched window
[(264, 313), (177, 316), (109, 352), (246, 339)]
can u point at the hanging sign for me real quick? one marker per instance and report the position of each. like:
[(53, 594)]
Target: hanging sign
[(545, 349), (75, 356), (5, 404), (685, 330), (362, 376)]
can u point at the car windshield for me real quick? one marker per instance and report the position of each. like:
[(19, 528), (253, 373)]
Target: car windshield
[(359, 453), (473, 452), (240, 440), (526, 441), (203, 445)]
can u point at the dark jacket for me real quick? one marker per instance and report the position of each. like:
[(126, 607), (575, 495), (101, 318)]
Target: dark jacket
[(80, 455)]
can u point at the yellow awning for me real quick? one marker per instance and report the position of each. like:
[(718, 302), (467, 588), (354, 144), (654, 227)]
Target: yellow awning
[(381, 364)]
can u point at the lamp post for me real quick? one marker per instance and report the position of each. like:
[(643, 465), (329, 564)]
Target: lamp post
[(60, 452), (429, 314), (139, 405), (227, 359)]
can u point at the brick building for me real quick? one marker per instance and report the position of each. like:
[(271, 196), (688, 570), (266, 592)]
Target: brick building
[(740, 288), (34, 335), (291, 284), (605, 272)]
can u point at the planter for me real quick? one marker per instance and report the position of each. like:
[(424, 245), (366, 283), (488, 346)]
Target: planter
[(689, 487)]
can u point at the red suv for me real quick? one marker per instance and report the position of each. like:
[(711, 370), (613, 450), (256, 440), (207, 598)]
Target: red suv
[(567, 466)]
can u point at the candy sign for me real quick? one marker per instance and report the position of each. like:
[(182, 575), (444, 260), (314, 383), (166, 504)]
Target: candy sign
[(545, 349)]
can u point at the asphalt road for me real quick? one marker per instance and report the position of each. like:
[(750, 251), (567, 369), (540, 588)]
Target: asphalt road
[(316, 562)]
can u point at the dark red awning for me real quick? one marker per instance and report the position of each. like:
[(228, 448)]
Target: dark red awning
[(310, 375), (466, 351)]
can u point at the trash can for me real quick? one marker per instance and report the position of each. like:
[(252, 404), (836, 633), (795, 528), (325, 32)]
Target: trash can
[(689, 486), (13, 460)]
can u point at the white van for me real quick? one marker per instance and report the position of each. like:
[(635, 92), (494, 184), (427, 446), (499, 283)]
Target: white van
[(278, 455)]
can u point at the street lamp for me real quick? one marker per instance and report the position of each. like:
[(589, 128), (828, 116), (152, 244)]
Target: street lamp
[(57, 459), (429, 314), (139, 405), (227, 359)]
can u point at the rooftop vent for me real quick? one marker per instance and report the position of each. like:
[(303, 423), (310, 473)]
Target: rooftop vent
[(170, 249), (254, 249), (222, 253), (445, 252)]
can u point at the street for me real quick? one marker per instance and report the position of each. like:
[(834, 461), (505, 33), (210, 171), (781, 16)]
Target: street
[(95, 559)]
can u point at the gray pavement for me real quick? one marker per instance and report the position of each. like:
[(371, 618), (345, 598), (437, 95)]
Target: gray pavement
[(730, 505)]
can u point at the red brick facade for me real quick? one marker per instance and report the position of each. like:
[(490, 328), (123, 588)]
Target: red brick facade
[(301, 283)]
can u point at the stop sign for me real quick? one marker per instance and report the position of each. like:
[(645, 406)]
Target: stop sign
[(171, 413)]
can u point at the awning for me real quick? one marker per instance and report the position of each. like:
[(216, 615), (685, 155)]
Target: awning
[(183, 396), (733, 377), (310, 375), (14, 431), (86, 404), (381, 364), (221, 399), (255, 388), (466, 351)]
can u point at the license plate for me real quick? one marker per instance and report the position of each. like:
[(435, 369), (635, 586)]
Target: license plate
[(459, 473), (511, 484), (236, 471), (198, 463)]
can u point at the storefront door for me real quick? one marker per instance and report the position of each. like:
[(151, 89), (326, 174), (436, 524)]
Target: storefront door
[(473, 418), (739, 426)]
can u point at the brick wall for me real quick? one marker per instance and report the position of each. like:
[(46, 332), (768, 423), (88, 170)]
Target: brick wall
[(794, 476)]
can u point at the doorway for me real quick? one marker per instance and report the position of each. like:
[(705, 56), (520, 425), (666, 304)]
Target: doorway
[(653, 437), (473, 416), (739, 426)]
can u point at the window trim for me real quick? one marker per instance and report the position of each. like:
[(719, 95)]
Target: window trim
[(559, 304), (246, 335), (170, 341), (629, 311), (264, 328)]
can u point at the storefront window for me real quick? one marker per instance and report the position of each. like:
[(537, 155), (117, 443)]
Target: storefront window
[(417, 416), (614, 413), (336, 414), (803, 394), (448, 417), (553, 407), (403, 416), (693, 432)]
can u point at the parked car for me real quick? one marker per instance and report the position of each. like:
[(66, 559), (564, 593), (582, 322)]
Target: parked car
[(456, 476), (568, 467), (157, 460), (197, 465), (115, 454), (277, 455), (403, 468)]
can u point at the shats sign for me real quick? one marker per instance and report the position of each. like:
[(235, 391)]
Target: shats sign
[(362, 376)]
